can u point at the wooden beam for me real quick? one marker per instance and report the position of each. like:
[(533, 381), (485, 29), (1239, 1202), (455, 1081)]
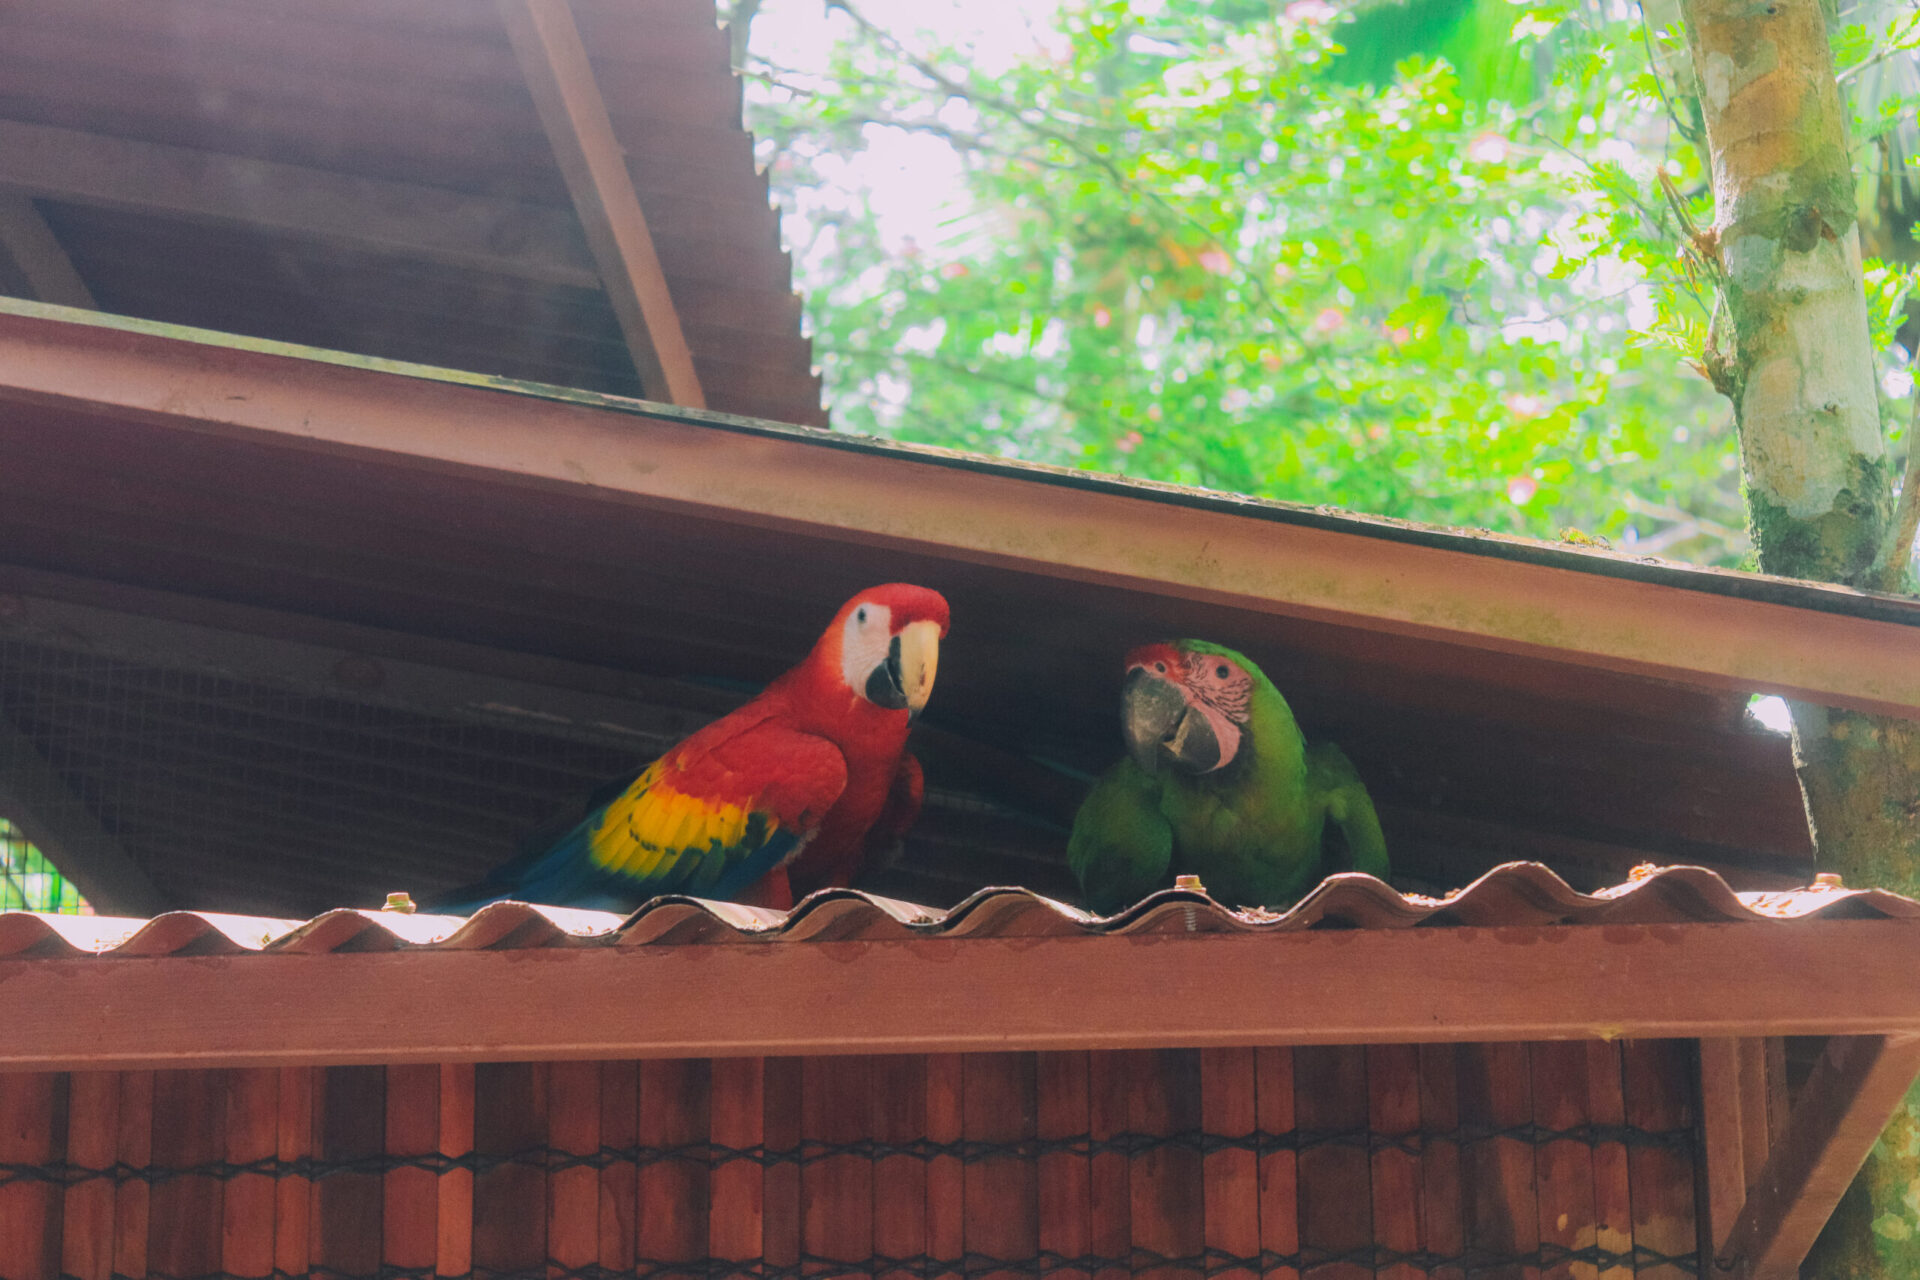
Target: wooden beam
[(1722, 1130), (30, 242), (1763, 1100), (1365, 986), (554, 63), (54, 820), (480, 232), (1843, 1106), (1235, 553)]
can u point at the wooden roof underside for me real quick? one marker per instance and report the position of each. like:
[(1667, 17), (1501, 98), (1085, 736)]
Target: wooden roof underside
[(376, 176), (1503, 700)]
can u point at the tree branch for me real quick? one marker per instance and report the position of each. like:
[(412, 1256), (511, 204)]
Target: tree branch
[(878, 357), (1310, 351), (1686, 130)]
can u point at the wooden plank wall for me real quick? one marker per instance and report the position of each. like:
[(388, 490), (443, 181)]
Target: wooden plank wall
[(1401, 1162)]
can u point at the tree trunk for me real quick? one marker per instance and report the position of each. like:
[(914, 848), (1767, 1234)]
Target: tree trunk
[(1789, 346)]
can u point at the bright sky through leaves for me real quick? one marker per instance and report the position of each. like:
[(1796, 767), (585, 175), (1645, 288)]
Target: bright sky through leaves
[(1413, 259)]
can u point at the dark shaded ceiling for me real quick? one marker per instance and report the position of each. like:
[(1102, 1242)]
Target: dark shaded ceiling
[(425, 94)]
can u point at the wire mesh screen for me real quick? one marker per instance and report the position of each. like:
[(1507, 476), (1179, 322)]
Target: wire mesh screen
[(256, 796), (293, 795), (1453, 1161), (28, 882)]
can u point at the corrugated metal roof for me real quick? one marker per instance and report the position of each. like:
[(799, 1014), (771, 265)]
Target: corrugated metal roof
[(1518, 894)]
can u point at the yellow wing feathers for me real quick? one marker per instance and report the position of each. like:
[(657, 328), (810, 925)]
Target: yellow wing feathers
[(649, 830)]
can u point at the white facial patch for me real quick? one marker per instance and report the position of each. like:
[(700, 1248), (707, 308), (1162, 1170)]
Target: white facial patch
[(1223, 693), (864, 642)]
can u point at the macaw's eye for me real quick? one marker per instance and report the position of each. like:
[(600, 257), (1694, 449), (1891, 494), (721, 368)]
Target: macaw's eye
[(1161, 667), (861, 616), (1220, 672)]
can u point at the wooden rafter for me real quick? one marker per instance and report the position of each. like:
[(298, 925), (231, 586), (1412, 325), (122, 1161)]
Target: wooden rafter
[(34, 799), (430, 223), (553, 61), (1027, 519), (30, 242), (939, 994), (1842, 1108)]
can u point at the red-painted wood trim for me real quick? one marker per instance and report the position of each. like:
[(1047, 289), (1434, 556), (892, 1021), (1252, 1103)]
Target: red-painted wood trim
[(942, 995)]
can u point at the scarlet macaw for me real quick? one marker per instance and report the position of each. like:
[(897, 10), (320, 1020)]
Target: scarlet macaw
[(1218, 783), (802, 782)]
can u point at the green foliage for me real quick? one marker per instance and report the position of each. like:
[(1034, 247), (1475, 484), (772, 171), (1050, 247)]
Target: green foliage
[(1207, 243), (28, 882), (1890, 291)]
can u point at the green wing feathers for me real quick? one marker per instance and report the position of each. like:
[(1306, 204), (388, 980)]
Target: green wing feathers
[(1121, 845), (1336, 784)]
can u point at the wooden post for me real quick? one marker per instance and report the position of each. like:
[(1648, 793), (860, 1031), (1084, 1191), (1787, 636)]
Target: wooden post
[(1001, 1191), (836, 1191), (1110, 1207), (780, 1203), (1612, 1192), (189, 1130), (573, 1195), (900, 1182), (510, 1200), (675, 1111), (1228, 1109), (93, 1130), (1168, 1181), (1445, 1210), (1563, 1169), (247, 1200), (453, 1250), (1658, 1078), (1496, 1093), (1336, 1203), (1722, 1128), (29, 1210), (1393, 1111), (293, 1197), (346, 1229), (410, 1215), (736, 1188), (620, 1179)]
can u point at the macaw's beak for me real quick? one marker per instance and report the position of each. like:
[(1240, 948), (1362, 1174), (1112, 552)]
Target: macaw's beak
[(905, 680), (1162, 728)]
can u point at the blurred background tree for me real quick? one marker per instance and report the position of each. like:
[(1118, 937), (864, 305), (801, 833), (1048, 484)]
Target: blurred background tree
[(28, 882), (1414, 259)]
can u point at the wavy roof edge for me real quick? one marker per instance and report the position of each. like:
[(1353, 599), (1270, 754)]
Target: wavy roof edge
[(1517, 894)]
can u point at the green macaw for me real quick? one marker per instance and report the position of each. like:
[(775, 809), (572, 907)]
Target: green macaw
[(1218, 783)]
